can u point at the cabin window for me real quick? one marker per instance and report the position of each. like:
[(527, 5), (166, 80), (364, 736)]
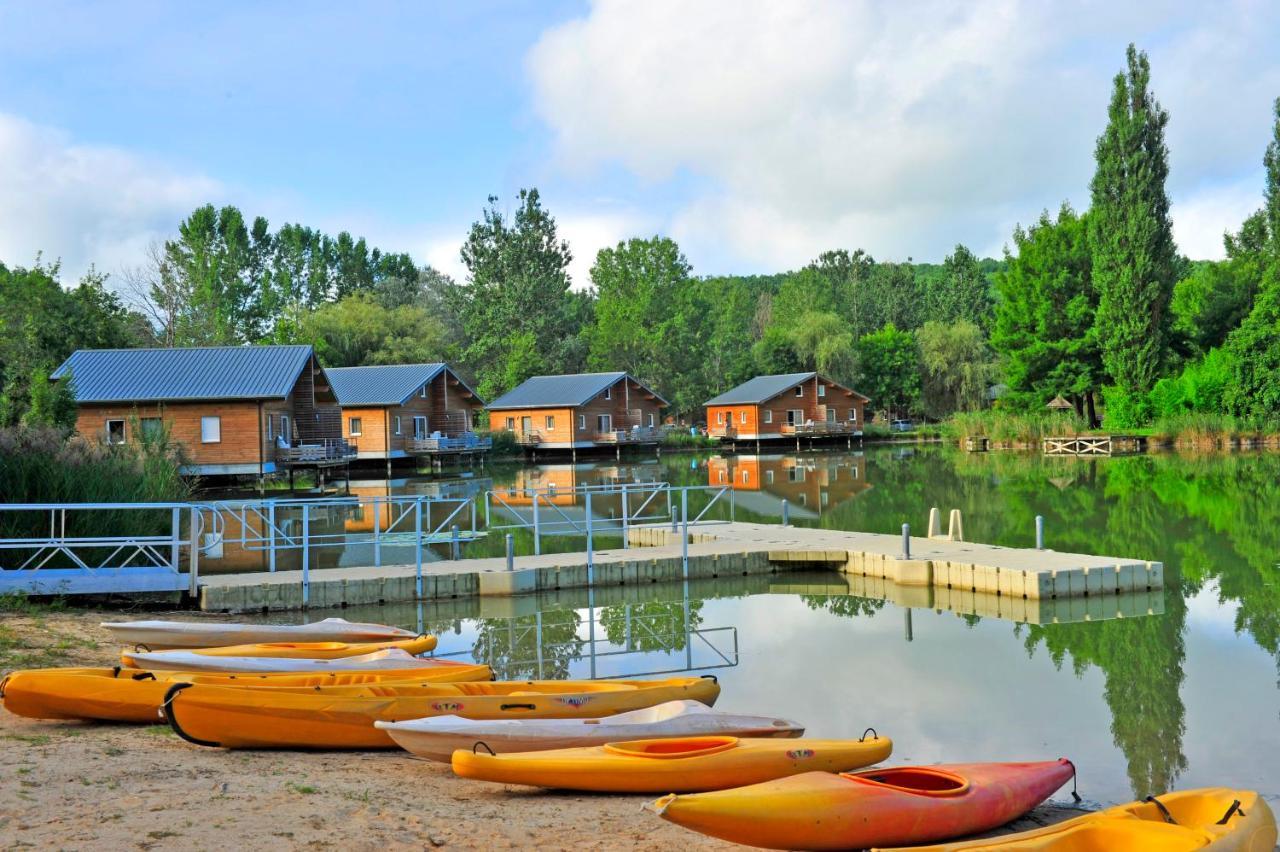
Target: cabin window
[(742, 417), (822, 391), (720, 417), (397, 424), (271, 422), (608, 393), (582, 421), (853, 415), (420, 427), (152, 427), (422, 392), (551, 423), (768, 415), (799, 390), (284, 427), (511, 424), (795, 474), (795, 416), (211, 430), (115, 431), (604, 423), (768, 476), (353, 426), (746, 476), (650, 421), (831, 415)]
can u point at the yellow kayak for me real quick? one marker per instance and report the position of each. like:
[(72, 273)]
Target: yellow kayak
[(1210, 818), (342, 717), (682, 765), (293, 650), (133, 695)]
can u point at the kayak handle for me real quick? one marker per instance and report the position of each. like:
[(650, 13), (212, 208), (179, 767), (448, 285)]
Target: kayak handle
[(872, 732), (2, 684), (711, 678), (519, 707), (166, 710), (1235, 806), (1164, 812), (144, 676), (491, 751), (141, 648)]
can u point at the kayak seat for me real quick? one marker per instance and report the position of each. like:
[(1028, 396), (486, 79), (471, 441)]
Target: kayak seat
[(921, 780)]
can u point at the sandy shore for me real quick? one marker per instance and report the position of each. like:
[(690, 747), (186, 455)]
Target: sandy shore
[(84, 785)]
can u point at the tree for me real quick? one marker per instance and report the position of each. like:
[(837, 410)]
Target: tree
[(889, 369), (358, 330), (1130, 233), (956, 367), (516, 311), (1045, 329), (821, 342), (1210, 302), (961, 293), (775, 353)]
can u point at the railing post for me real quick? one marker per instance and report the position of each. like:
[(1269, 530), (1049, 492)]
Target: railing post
[(626, 510), (194, 566), (786, 513), (511, 552), (417, 547), (537, 527), (906, 541), (455, 547), (306, 555), (675, 521), (271, 549), (377, 539), (732, 503), (684, 534), (175, 535), (1039, 532), (591, 558)]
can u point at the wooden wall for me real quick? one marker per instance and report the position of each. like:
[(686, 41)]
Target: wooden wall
[(240, 442)]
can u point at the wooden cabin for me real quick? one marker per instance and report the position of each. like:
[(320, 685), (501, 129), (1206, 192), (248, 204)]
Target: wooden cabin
[(235, 410), (786, 406), (579, 411), (405, 410)]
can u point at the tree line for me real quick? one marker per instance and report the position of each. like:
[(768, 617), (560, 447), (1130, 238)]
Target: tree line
[(1096, 306)]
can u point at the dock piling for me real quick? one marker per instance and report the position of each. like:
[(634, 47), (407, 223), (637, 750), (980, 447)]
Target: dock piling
[(1039, 532), (906, 541), (511, 552), (786, 513), (455, 548)]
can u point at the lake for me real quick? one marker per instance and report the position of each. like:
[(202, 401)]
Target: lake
[(1172, 690)]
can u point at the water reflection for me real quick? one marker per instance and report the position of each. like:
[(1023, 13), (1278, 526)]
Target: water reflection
[(811, 484)]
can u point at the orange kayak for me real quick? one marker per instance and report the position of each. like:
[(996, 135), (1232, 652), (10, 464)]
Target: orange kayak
[(133, 695), (297, 650), (899, 806)]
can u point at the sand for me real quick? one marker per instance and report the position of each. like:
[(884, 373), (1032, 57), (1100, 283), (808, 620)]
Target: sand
[(72, 785)]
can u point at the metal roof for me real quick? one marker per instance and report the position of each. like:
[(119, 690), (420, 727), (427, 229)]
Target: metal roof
[(571, 390), (761, 389), (392, 384), (209, 372)]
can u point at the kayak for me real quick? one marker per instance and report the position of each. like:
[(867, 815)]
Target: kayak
[(342, 717), (133, 695), (436, 738), (897, 806), (683, 765), (158, 635), (190, 661), (295, 650), (1211, 818)]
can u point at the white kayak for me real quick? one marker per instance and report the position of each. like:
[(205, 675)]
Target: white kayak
[(436, 737), (189, 661), (157, 635)]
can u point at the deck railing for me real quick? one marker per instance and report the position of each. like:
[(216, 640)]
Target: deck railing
[(468, 442), (822, 427), (324, 450), (634, 435)]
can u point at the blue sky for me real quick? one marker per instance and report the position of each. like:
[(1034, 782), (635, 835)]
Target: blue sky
[(755, 133)]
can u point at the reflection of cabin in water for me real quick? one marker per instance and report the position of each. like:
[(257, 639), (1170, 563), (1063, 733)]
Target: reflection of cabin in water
[(791, 405), (580, 411), (234, 410), (402, 411), (810, 484)]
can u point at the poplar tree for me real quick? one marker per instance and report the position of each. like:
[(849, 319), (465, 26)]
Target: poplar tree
[(1130, 233)]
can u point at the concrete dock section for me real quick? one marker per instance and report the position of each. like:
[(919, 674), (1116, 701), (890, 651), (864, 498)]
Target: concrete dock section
[(656, 554)]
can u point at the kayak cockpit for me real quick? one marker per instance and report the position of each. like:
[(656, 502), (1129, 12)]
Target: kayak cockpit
[(920, 780), (673, 748)]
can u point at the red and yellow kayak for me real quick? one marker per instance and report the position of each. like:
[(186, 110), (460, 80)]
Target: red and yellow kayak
[(896, 806), (1211, 818), (133, 695), (340, 717), (683, 764), (298, 650)]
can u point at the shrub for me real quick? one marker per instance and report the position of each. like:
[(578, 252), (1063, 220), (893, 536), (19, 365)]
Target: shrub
[(675, 439)]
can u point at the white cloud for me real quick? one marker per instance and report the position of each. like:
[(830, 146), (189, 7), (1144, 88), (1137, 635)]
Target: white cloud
[(901, 128), (85, 204), (1201, 217)]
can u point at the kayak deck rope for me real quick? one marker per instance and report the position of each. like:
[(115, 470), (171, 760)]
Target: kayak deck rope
[(1164, 812), (1235, 806), (166, 708), (479, 743)]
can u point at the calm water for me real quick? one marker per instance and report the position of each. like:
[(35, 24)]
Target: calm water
[(1180, 692)]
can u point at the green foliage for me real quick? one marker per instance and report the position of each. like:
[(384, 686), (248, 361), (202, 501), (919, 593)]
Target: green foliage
[(956, 367), (1126, 409), (515, 308), (820, 342), (359, 330), (1044, 327), (775, 353), (677, 439), (1022, 426), (1211, 301), (962, 292), (889, 369), (1131, 235), (1201, 387)]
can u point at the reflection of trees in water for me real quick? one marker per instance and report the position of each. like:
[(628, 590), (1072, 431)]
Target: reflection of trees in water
[(653, 626), (510, 645), (847, 606)]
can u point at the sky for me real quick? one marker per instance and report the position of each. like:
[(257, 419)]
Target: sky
[(755, 134)]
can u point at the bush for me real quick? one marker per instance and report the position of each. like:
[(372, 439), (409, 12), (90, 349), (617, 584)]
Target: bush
[(504, 443), (1125, 410), (1024, 426), (684, 440)]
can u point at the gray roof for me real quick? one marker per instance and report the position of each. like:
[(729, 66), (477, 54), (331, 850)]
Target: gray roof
[(572, 390), (391, 384), (210, 372), (761, 389)]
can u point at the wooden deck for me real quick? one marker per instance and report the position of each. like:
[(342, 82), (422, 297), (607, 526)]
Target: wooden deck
[(1095, 445), (729, 549)]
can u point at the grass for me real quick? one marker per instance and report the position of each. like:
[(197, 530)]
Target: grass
[(686, 440), (302, 789), (20, 603), (1001, 425)]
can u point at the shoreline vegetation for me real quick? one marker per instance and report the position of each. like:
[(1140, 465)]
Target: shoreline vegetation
[(1191, 430)]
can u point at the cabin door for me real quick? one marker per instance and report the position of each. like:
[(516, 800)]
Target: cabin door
[(526, 425), (831, 415), (419, 428), (604, 423)]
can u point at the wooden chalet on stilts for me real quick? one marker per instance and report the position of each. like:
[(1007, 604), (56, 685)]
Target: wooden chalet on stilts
[(791, 406)]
